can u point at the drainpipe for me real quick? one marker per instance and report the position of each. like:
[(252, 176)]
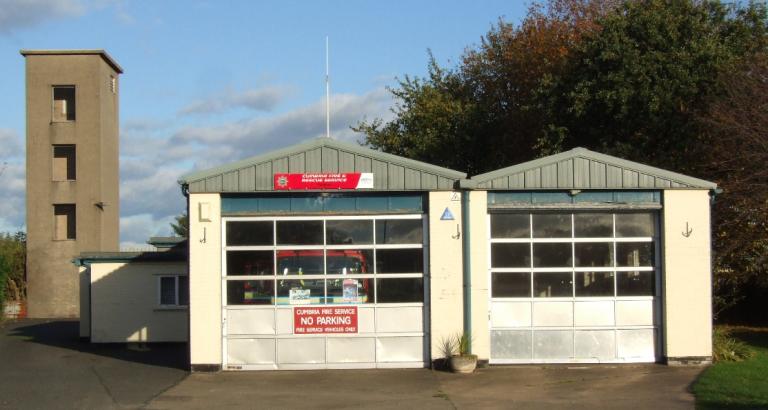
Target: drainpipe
[(466, 264)]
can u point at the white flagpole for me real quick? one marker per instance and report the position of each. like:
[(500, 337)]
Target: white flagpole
[(327, 93)]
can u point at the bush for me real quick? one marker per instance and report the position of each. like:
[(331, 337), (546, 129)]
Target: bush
[(726, 348), (3, 282)]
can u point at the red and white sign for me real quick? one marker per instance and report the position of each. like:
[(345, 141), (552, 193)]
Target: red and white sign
[(313, 320), (350, 180)]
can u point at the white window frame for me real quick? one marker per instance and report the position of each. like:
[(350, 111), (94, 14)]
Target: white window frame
[(176, 293)]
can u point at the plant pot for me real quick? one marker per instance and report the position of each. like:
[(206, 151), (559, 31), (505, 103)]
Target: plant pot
[(463, 364)]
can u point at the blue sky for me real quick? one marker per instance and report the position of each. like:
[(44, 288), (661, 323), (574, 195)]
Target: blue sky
[(209, 82)]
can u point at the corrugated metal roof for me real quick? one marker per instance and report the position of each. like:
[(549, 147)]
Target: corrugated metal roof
[(390, 172), (581, 168)]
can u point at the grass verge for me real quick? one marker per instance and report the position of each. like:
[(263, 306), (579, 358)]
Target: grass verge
[(737, 385)]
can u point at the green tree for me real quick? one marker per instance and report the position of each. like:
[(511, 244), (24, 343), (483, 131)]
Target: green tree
[(484, 114), (676, 84), (635, 87), (181, 226), (12, 266)]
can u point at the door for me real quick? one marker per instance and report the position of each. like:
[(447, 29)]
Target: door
[(574, 286), (308, 292)]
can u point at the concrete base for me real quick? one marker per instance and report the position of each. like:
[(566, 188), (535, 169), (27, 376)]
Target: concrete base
[(205, 368), (689, 361)]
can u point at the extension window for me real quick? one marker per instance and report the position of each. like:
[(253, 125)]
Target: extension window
[(173, 290)]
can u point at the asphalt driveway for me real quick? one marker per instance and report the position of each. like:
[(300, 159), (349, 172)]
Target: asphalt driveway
[(519, 387), (43, 365)]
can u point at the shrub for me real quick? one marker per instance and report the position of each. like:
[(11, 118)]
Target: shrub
[(726, 348)]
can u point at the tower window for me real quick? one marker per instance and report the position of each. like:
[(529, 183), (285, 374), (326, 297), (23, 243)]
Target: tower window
[(64, 103), (64, 163), (64, 225)]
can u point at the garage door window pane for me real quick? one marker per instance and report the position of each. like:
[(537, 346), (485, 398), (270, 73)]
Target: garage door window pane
[(634, 254), (511, 285), (349, 261), (551, 285), (594, 254), (399, 260), (250, 263), (349, 232), (635, 225), (300, 291), (399, 290), (510, 226), (635, 284), (250, 233), (393, 231), (593, 225), (350, 290), (551, 226), (594, 284), (299, 232), (552, 255), (300, 262), (511, 255), (250, 292)]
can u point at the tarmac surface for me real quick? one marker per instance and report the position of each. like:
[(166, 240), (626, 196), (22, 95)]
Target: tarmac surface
[(43, 365)]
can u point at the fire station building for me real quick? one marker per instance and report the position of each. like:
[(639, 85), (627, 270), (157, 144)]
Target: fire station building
[(327, 254)]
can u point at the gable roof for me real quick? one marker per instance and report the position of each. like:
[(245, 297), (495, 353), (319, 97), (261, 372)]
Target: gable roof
[(581, 168), (390, 172)]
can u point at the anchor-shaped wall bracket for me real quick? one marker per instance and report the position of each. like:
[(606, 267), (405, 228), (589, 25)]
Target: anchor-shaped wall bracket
[(458, 233), (688, 231)]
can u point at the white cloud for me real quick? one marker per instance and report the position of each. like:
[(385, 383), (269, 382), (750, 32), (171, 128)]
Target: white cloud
[(10, 144), (255, 136), (16, 14), (12, 189), (135, 230), (261, 99)]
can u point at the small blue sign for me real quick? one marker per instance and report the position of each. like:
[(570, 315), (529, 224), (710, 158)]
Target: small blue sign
[(447, 215)]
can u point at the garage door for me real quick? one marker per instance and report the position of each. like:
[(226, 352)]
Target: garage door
[(323, 292), (574, 287)]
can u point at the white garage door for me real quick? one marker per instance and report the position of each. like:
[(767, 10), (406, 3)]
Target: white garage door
[(323, 292), (574, 287)]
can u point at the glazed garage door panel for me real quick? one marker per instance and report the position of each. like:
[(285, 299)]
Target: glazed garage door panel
[(278, 270), (574, 287)]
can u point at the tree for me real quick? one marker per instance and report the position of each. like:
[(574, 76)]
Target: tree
[(12, 266), (735, 155), (635, 87), (675, 84), (484, 114), (181, 226)]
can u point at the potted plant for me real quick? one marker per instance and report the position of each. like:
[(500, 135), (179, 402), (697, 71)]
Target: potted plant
[(460, 359)]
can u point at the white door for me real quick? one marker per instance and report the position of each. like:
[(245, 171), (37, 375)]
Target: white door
[(574, 287), (308, 292)]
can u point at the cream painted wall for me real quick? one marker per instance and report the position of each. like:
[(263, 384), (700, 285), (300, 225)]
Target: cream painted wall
[(478, 216), (205, 279), (687, 277), (445, 270), (125, 305)]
